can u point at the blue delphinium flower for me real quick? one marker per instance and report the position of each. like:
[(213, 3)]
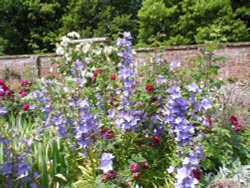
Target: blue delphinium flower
[(106, 162), (176, 113), (3, 110), (15, 168), (126, 117), (86, 126), (174, 65)]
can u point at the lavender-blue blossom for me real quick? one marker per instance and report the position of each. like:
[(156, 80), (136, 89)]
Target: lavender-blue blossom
[(106, 162), (3, 110)]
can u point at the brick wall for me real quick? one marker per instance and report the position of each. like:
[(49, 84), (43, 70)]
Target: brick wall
[(13, 68)]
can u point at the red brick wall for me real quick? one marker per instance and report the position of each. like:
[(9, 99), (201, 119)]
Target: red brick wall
[(13, 68), (236, 65)]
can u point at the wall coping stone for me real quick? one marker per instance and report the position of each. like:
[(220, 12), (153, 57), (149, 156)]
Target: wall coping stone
[(154, 49), (191, 47)]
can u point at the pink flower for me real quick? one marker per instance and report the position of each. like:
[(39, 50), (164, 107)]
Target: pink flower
[(24, 94), (150, 88), (25, 82), (25, 107), (113, 77), (20, 91), (135, 167)]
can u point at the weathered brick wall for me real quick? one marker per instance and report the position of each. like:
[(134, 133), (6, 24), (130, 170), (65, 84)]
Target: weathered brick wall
[(236, 65), (13, 68)]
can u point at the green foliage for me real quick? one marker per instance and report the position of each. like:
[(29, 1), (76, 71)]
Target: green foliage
[(34, 26), (100, 18), (190, 22)]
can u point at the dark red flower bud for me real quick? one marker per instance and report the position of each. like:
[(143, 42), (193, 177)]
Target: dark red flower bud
[(145, 165), (156, 139), (133, 86), (197, 174), (94, 79), (150, 88), (113, 77), (152, 144), (98, 71), (136, 175), (25, 107), (109, 175), (108, 134)]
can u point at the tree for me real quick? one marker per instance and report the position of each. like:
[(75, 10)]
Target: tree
[(189, 22), (105, 18)]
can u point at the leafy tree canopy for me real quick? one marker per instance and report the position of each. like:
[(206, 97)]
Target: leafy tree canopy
[(34, 26)]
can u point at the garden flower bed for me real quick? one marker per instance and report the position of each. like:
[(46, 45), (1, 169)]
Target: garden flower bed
[(97, 126)]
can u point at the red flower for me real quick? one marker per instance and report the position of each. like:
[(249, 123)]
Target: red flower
[(145, 165), (150, 88), (113, 77), (25, 107), (136, 175), (9, 92), (152, 144), (98, 71), (2, 93), (234, 120), (238, 127), (133, 86), (135, 167), (209, 121), (108, 134), (94, 79), (1, 82), (156, 139), (23, 94), (197, 174), (109, 175), (3, 85), (25, 82), (236, 124), (20, 91)]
